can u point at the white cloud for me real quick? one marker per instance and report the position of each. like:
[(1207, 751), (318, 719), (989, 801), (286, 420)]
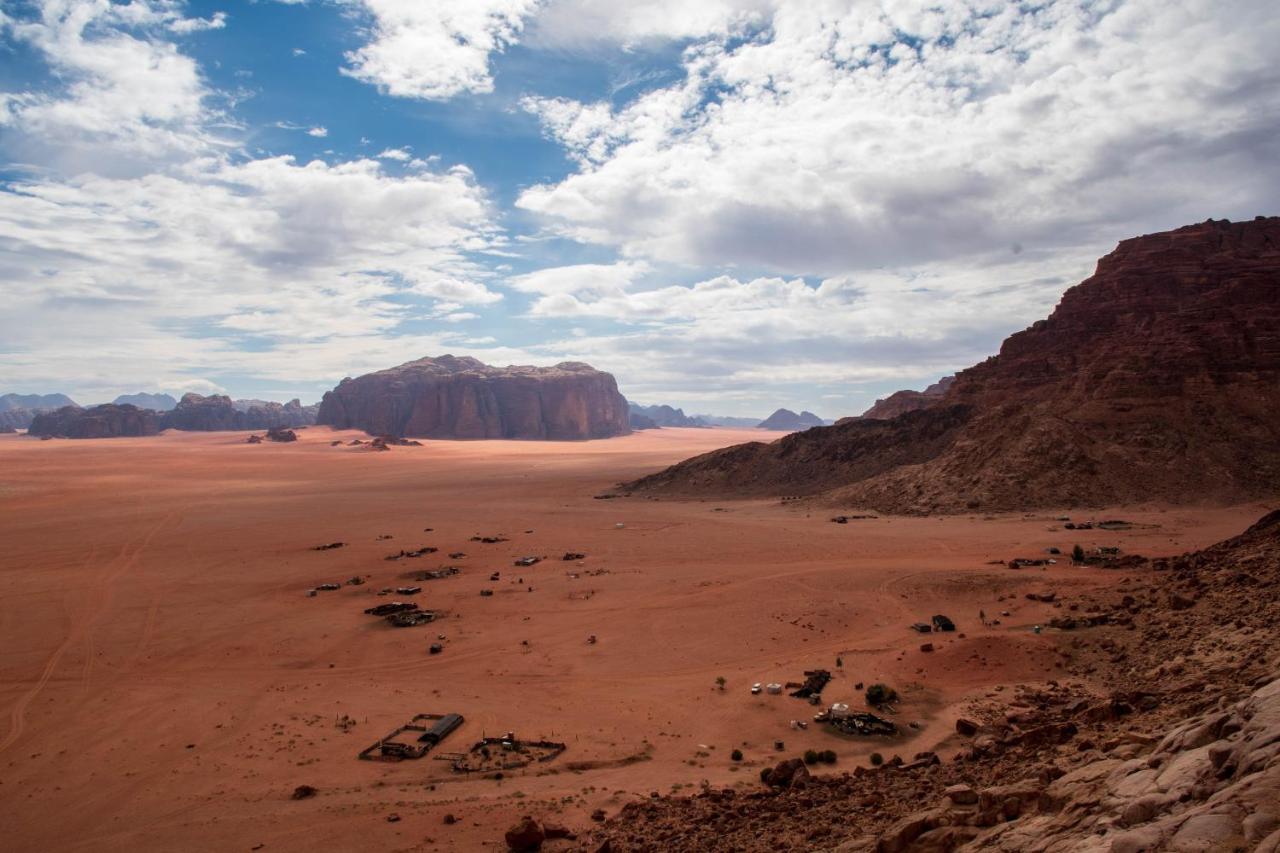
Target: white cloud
[(125, 91), (435, 50), (164, 268), (318, 132), (851, 135), (394, 154)]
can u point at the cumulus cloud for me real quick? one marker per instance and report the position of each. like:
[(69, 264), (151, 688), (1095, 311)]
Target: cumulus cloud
[(851, 135), (124, 91), (198, 257), (435, 50)]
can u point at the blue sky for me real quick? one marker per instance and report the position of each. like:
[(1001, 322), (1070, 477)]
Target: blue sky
[(732, 205)]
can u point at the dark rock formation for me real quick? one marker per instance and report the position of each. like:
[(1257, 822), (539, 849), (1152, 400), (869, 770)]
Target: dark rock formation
[(450, 397), (105, 421), (785, 419), (1157, 378), (195, 413), (664, 416), (264, 414), (16, 419), (144, 400)]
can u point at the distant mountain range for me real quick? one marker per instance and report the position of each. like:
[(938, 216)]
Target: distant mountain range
[(651, 417), (143, 400), (34, 402), (785, 419)]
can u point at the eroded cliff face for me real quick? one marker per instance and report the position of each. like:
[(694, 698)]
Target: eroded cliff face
[(105, 421), (462, 398), (1157, 378)]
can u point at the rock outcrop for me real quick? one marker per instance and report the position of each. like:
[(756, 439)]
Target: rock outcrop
[(1157, 378), (144, 400), (195, 413), (901, 402), (462, 398), (785, 419), (105, 421)]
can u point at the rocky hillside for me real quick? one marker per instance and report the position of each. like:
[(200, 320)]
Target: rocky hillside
[(901, 402), (105, 421), (1157, 378), (785, 419), (1176, 745), (450, 397)]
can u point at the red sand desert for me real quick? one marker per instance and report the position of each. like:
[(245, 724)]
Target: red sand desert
[(166, 684)]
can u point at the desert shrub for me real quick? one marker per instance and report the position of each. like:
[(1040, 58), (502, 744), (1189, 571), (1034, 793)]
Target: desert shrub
[(877, 759), (736, 755), (1077, 554), (880, 694), (827, 756), (810, 757)]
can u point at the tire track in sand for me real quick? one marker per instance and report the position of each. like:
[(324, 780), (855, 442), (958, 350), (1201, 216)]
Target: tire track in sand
[(99, 602)]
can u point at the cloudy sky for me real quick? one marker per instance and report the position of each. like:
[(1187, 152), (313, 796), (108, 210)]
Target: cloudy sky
[(729, 204)]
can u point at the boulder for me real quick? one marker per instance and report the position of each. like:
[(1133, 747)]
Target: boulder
[(526, 834)]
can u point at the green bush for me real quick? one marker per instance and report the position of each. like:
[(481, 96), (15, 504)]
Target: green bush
[(880, 694), (877, 759), (827, 756), (810, 757)]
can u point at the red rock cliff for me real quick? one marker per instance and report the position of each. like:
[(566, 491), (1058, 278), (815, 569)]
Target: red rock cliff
[(450, 397), (1155, 379)]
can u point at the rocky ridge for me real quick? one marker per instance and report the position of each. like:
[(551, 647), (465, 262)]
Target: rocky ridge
[(1157, 378), (901, 402), (462, 398)]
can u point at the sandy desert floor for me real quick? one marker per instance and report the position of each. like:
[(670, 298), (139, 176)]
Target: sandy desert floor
[(165, 683)]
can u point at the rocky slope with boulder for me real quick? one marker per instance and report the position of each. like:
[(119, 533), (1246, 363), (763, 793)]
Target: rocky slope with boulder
[(105, 421), (462, 398), (1167, 737), (1157, 378)]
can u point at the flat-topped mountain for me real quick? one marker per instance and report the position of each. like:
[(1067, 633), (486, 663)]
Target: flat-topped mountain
[(459, 397), (1157, 378)]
